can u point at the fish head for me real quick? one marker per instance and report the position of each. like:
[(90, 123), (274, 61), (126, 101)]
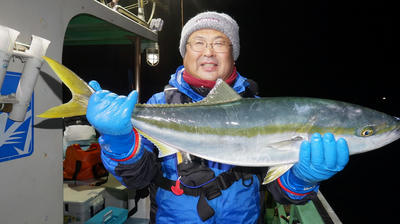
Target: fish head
[(374, 131)]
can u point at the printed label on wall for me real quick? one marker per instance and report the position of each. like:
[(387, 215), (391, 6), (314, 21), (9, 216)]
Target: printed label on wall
[(16, 138)]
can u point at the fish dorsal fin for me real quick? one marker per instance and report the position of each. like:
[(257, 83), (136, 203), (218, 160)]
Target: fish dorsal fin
[(221, 93)]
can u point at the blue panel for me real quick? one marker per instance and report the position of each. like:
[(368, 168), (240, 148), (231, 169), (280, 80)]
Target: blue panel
[(16, 138)]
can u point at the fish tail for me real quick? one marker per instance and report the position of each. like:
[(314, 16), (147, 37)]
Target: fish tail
[(80, 91)]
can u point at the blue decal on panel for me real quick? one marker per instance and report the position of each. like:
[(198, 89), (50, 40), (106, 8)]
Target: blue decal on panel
[(16, 138)]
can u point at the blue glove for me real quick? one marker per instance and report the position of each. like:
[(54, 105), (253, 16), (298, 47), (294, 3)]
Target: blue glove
[(111, 114), (319, 159)]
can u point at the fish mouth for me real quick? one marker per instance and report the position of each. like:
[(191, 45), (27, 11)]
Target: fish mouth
[(396, 130), (397, 119)]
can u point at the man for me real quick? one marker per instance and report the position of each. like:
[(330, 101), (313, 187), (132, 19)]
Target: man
[(188, 189)]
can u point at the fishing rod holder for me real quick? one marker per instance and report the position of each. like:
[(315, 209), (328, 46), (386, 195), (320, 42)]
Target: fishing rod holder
[(31, 56)]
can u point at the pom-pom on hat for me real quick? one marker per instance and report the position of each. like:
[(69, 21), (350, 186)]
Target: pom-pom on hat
[(212, 20)]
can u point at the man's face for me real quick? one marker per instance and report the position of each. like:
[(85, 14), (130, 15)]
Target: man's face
[(208, 64)]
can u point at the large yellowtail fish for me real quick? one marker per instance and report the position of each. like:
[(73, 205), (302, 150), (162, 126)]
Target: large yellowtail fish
[(227, 128)]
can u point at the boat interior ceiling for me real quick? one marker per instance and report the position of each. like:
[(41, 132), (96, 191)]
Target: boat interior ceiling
[(85, 29)]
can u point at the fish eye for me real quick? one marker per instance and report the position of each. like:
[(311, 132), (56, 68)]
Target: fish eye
[(367, 131)]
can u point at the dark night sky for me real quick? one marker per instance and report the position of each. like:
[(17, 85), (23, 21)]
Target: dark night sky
[(344, 51)]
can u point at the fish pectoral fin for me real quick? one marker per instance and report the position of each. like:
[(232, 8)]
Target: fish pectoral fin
[(221, 93), (289, 144), (275, 172), (164, 149)]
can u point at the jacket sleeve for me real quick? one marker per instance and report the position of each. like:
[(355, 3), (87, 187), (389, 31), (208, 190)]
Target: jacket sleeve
[(283, 195), (136, 168)]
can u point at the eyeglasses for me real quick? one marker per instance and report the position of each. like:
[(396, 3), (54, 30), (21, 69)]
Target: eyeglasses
[(218, 46)]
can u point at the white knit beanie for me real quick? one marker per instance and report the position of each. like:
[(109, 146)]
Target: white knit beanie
[(212, 20)]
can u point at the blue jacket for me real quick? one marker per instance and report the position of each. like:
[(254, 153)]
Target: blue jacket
[(240, 203)]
